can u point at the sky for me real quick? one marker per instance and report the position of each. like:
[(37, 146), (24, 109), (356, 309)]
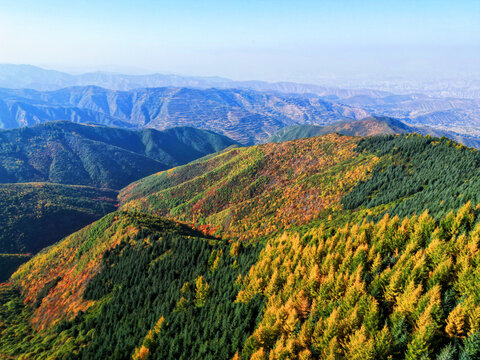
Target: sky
[(273, 40)]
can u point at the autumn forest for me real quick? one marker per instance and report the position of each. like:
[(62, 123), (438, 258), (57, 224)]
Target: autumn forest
[(330, 247)]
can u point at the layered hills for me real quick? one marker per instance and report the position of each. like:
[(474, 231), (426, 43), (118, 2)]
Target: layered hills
[(32, 77), (326, 247), (246, 116), (36, 210), (68, 153), (443, 105)]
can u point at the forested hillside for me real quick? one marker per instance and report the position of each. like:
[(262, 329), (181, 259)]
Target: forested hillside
[(36, 215), (255, 191), (323, 248), (265, 188), (417, 173), (160, 289), (33, 214), (396, 289), (68, 153)]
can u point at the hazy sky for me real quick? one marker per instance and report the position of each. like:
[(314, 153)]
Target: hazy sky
[(262, 39)]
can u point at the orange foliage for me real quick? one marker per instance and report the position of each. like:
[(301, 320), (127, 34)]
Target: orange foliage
[(65, 300), (251, 192)]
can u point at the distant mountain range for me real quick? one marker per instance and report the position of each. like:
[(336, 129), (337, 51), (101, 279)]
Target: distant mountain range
[(68, 153), (246, 116), (467, 87), (18, 76), (32, 77)]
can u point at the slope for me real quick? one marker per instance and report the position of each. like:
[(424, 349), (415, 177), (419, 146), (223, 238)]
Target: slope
[(416, 173), (395, 289), (36, 215), (255, 191), (68, 153), (124, 275)]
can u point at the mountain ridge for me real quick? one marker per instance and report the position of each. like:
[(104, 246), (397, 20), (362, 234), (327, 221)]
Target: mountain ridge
[(69, 153), (241, 186), (370, 126)]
